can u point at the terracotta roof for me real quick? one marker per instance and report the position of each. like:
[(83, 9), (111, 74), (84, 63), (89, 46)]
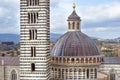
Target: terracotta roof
[(73, 16), (10, 61), (111, 60), (75, 44)]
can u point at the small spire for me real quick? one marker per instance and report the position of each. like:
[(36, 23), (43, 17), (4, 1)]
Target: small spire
[(74, 6)]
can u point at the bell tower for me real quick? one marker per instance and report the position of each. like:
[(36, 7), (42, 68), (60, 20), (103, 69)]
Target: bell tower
[(34, 39)]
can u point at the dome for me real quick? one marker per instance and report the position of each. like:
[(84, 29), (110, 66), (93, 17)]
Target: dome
[(74, 44), (73, 16)]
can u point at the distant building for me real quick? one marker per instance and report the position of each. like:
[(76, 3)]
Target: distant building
[(9, 68), (7, 43), (111, 66)]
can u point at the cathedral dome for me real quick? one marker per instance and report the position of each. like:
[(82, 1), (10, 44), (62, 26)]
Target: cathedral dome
[(75, 44)]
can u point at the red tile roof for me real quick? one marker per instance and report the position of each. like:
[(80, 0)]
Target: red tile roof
[(10, 61)]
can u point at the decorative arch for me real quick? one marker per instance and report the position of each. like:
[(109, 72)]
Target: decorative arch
[(13, 75)]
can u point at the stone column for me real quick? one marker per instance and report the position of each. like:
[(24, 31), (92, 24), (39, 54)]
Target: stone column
[(85, 73), (89, 73), (30, 18), (62, 60), (61, 73), (84, 61), (68, 74), (36, 16), (53, 73), (56, 73), (66, 60), (65, 74)]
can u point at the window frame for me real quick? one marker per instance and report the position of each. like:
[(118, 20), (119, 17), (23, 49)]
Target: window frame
[(13, 75)]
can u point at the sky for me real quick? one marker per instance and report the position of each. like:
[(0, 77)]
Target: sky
[(100, 18)]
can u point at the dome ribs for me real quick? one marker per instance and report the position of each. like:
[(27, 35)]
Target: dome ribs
[(75, 44)]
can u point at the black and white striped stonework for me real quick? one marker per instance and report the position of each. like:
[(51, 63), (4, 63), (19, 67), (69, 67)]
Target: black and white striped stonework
[(34, 40)]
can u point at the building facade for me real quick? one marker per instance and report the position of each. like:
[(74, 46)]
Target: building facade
[(34, 40), (111, 66), (9, 68)]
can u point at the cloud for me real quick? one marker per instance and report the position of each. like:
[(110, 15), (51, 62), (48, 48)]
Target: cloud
[(102, 32), (100, 29), (2, 11), (9, 16), (100, 19), (101, 12), (98, 16)]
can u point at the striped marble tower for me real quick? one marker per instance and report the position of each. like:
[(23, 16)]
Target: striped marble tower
[(34, 40)]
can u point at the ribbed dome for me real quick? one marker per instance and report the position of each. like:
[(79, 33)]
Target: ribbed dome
[(74, 44), (73, 16)]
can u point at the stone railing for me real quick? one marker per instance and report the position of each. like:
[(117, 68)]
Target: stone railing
[(77, 61)]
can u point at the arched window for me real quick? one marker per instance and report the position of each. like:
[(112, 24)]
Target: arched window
[(13, 75), (32, 17), (69, 26), (33, 51), (112, 75), (32, 2), (73, 60), (73, 25), (32, 67), (78, 25), (33, 34), (87, 73)]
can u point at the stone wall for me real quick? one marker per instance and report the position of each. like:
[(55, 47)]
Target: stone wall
[(1, 73), (5, 72), (108, 67)]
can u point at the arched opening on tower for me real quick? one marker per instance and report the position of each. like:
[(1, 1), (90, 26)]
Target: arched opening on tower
[(78, 25), (73, 25), (69, 25), (32, 67)]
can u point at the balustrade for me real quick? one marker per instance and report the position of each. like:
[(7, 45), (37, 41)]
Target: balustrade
[(76, 61)]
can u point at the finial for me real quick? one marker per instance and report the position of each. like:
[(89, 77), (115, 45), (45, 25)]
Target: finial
[(74, 6)]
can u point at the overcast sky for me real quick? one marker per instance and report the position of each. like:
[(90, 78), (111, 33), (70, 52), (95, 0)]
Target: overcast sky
[(100, 18)]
